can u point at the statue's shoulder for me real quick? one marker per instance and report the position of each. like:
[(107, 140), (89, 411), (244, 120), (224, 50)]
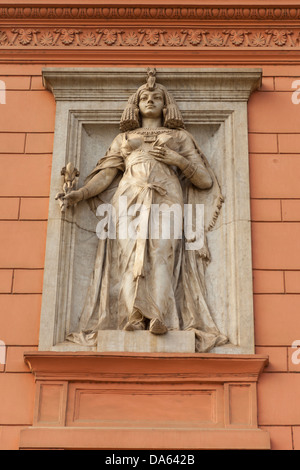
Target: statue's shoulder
[(185, 134), (117, 140), (120, 136), (185, 137)]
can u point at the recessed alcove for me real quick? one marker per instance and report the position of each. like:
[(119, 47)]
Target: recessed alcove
[(214, 108)]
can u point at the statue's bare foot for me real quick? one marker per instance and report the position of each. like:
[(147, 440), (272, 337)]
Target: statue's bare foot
[(135, 325), (157, 327)]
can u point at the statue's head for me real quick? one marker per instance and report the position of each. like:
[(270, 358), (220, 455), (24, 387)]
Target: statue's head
[(170, 113)]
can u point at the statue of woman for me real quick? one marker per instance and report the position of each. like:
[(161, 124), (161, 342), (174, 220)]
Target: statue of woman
[(144, 283)]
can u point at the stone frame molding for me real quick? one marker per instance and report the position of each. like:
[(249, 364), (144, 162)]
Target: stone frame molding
[(207, 97)]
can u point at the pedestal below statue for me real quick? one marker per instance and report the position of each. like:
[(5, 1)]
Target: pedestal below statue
[(144, 341), (144, 401)]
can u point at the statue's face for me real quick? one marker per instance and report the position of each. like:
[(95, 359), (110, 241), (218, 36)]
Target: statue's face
[(151, 103)]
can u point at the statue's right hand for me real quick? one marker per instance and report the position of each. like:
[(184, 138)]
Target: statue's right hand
[(72, 198)]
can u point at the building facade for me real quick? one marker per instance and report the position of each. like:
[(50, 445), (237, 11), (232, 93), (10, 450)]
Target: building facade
[(230, 35)]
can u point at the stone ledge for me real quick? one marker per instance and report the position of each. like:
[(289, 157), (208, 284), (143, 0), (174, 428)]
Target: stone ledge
[(52, 365)]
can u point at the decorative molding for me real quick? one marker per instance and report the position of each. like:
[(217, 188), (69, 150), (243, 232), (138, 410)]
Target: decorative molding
[(77, 33), (105, 38), (150, 13)]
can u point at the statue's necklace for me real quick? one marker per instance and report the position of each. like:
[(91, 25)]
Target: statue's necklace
[(150, 133)]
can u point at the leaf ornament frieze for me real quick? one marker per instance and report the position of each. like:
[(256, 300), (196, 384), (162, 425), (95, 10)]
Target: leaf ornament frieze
[(99, 37)]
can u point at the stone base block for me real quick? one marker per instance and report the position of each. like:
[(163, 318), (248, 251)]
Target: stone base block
[(130, 400), (144, 341)]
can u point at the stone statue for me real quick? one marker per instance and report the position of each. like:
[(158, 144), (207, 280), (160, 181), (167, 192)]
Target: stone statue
[(144, 282)]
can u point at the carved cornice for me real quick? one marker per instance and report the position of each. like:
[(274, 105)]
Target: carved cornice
[(135, 12), (67, 38), (174, 367), (211, 84)]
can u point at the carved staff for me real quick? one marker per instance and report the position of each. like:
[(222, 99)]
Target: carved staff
[(70, 173)]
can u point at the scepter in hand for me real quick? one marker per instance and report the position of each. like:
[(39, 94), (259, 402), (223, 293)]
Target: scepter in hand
[(70, 173)]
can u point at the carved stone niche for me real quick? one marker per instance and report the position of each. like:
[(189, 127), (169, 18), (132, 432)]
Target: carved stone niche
[(213, 103)]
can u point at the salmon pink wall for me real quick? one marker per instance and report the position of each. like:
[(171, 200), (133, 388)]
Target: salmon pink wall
[(275, 204), (26, 142)]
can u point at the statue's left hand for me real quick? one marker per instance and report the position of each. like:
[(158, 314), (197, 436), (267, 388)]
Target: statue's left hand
[(168, 156)]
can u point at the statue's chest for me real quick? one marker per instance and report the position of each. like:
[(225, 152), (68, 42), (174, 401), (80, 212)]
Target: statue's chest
[(149, 139)]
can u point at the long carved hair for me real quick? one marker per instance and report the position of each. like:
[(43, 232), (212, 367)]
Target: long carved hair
[(131, 118)]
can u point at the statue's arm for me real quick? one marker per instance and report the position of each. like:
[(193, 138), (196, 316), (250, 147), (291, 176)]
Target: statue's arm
[(197, 174), (187, 159), (194, 168), (95, 186)]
